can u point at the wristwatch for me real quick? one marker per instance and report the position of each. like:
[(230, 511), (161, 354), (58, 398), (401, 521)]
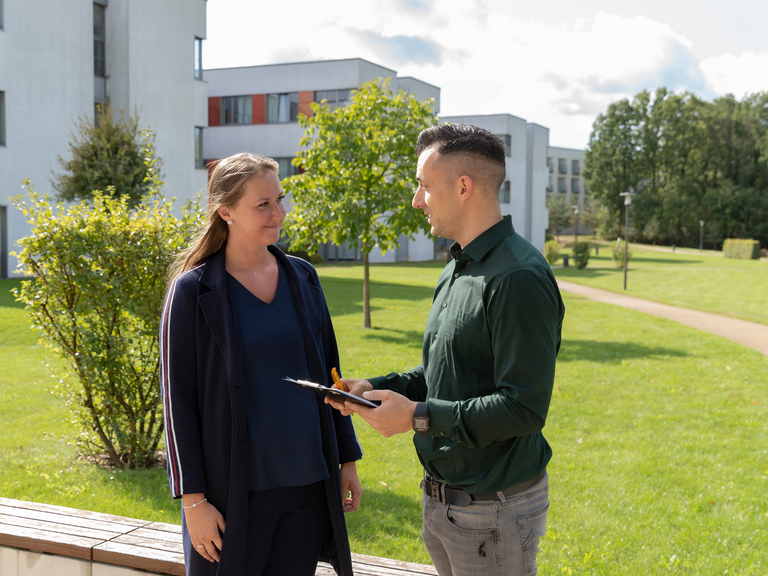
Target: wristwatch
[(421, 419)]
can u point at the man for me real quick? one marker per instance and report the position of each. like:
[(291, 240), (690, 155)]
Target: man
[(479, 400)]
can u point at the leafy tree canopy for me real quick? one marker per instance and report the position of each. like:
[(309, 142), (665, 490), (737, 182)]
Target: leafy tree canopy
[(359, 165), (107, 155)]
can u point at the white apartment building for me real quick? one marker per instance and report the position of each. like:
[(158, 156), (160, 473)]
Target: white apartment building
[(566, 178), (255, 109), (524, 192), (60, 57)]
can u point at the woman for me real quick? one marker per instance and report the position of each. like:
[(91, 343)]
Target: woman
[(263, 467)]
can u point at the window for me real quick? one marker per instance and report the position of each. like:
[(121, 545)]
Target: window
[(199, 162), (198, 58), (507, 143), (549, 164), (286, 168), (585, 188), (282, 107), (2, 118), (575, 185), (575, 168), (561, 167), (335, 98), (236, 110), (99, 41), (504, 193), (561, 185)]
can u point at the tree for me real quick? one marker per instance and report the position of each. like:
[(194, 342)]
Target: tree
[(106, 155), (98, 273), (359, 164), (559, 214), (688, 160)]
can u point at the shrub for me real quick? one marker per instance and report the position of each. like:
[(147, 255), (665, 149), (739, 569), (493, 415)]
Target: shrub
[(581, 254), (99, 276), (617, 254), (552, 251), (316, 258), (741, 249)]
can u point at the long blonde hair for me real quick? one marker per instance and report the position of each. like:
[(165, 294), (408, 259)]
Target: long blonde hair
[(225, 188)]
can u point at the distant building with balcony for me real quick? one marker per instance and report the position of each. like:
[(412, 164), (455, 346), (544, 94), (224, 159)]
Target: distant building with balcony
[(566, 175)]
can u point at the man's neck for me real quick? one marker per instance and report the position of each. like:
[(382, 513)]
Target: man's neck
[(478, 224)]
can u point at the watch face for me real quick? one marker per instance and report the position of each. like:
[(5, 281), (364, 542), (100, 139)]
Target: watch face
[(421, 423)]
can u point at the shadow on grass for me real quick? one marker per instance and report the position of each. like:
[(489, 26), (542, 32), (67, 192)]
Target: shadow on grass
[(394, 336), (7, 299), (346, 297), (612, 352)]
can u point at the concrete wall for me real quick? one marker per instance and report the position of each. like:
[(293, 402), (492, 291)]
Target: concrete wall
[(538, 178), (15, 562), (47, 75), (44, 94)]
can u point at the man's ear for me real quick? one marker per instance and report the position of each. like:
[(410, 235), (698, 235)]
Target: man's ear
[(467, 188)]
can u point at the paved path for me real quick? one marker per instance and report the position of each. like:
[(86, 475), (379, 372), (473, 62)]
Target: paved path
[(748, 334)]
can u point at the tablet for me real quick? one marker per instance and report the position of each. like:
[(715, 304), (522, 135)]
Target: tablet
[(333, 393)]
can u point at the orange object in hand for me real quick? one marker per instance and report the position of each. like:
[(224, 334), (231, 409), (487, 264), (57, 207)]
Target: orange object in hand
[(337, 380)]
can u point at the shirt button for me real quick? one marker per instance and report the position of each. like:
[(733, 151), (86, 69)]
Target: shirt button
[(456, 275), (442, 433), (435, 335), (445, 304)]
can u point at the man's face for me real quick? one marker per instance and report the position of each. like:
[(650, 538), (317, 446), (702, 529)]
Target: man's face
[(436, 195)]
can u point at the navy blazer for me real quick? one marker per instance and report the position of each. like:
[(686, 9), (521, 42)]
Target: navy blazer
[(201, 377)]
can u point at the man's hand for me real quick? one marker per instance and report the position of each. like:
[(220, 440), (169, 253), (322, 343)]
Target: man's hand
[(356, 387), (394, 416), (351, 490), (204, 522)]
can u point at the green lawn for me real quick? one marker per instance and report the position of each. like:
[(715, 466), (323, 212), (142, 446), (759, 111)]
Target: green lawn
[(659, 434), (705, 281)]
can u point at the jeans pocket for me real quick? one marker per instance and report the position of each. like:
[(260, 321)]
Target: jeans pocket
[(532, 527), (470, 540)]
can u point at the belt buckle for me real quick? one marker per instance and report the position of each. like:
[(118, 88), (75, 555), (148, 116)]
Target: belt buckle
[(436, 490)]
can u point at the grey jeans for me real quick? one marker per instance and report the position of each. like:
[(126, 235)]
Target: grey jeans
[(487, 538)]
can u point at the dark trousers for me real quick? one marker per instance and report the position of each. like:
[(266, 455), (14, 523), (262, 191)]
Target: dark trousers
[(286, 530)]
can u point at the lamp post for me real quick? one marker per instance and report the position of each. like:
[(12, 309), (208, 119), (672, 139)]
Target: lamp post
[(627, 202), (701, 235), (576, 228)]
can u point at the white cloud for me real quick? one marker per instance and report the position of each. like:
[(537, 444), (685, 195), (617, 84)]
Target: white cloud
[(483, 56), (737, 75)]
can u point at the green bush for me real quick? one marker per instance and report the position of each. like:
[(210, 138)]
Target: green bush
[(741, 249), (617, 254), (581, 254), (99, 272), (316, 258), (552, 251)]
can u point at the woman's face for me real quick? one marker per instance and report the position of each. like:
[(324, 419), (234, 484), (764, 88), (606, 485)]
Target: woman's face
[(258, 216)]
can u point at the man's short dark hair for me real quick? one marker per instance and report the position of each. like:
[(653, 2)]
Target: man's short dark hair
[(472, 151)]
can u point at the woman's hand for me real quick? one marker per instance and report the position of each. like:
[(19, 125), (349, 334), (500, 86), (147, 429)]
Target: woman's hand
[(351, 490), (205, 525)]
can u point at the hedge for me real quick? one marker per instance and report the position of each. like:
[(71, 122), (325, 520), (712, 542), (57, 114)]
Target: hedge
[(741, 249)]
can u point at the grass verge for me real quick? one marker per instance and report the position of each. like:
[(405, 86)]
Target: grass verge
[(658, 430)]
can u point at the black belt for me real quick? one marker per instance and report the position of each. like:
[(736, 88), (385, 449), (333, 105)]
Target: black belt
[(443, 492)]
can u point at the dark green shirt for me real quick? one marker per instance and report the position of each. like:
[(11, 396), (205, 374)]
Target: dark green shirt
[(488, 364)]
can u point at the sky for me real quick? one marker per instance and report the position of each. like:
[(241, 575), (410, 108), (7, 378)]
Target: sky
[(557, 63)]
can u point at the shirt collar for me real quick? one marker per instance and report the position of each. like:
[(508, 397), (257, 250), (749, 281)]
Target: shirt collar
[(480, 246)]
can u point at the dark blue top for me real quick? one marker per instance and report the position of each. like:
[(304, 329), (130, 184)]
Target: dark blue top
[(283, 419)]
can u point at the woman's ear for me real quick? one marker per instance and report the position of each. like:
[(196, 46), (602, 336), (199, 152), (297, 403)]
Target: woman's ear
[(224, 213)]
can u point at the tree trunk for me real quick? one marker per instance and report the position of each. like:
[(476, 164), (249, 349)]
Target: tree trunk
[(366, 293)]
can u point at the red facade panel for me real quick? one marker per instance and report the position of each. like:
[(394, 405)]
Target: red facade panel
[(305, 99), (214, 111), (259, 108)]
